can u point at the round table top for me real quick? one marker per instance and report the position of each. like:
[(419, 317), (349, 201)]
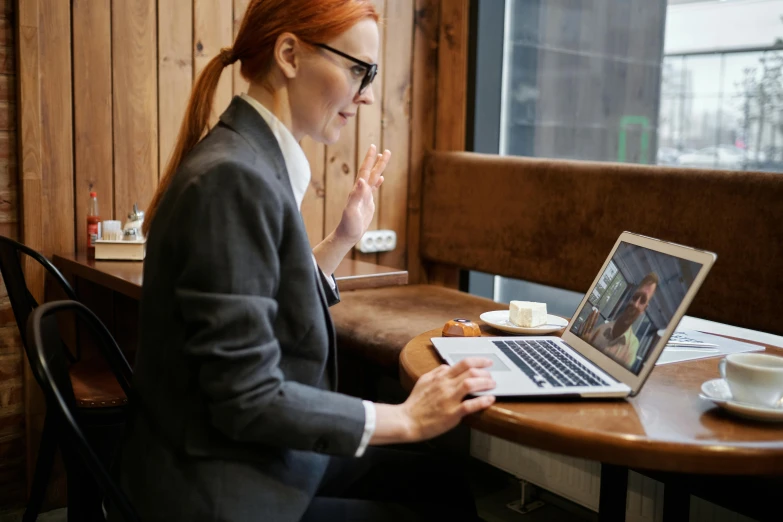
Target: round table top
[(666, 426)]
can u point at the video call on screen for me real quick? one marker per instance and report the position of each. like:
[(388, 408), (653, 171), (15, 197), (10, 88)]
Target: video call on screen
[(633, 302)]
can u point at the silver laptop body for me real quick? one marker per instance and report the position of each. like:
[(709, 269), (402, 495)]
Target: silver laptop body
[(644, 282)]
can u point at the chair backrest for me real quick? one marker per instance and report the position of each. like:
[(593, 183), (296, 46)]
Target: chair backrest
[(50, 367), (553, 222), (22, 301)]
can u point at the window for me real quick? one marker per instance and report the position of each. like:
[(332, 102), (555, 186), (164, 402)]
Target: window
[(689, 83), (722, 111)]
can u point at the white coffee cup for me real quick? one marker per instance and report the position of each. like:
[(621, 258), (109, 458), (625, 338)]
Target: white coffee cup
[(754, 378)]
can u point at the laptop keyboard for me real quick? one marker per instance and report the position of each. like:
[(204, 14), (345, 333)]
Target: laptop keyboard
[(548, 365)]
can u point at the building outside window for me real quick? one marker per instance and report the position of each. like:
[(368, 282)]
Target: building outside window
[(688, 83), (722, 86)]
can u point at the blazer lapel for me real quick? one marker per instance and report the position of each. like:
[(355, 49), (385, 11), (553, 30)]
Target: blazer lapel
[(246, 121)]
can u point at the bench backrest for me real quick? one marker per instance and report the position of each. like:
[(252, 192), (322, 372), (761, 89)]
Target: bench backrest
[(554, 222)]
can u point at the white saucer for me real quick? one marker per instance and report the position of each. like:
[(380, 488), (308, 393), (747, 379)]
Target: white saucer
[(499, 319), (717, 391)]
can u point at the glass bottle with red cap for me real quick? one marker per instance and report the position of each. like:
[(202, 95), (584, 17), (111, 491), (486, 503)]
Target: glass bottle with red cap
[(93, 219)]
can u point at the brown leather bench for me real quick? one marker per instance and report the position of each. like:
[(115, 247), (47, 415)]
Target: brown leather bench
[(553, 222)]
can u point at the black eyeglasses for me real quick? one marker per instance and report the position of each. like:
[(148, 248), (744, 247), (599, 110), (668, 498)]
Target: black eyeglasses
[(370, 69)]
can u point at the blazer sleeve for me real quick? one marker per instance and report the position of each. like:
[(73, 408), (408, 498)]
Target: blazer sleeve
[(331, 291), (230, 229)]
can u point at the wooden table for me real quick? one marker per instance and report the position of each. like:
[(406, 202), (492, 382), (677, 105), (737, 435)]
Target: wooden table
[(666, 427), (126, 277), (112, 289)]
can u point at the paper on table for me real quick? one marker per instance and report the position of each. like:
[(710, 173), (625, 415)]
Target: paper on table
[(724, 347), (687, 338)]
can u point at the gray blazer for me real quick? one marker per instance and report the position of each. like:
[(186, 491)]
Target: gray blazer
[(236, 368)]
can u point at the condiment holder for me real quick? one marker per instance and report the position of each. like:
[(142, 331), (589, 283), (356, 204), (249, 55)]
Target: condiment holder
[(119, 242)]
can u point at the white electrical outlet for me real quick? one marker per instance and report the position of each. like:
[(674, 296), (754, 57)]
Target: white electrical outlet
[(377, 241)]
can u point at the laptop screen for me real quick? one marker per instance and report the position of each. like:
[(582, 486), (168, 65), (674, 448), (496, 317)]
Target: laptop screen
[(630, 307)]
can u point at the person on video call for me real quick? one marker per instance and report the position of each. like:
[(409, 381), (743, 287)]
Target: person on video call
[(236, 415), (616, 338)]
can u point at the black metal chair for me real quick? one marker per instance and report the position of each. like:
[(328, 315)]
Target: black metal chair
[(96, 390), (50, 368)]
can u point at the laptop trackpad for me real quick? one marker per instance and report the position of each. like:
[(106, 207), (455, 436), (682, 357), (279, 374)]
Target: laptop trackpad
[(497, 364)]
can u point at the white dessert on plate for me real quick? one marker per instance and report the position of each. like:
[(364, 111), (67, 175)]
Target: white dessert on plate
[(527, 314)]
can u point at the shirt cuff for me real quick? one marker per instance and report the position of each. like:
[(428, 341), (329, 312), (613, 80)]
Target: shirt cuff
[(369, 427), (329, 278)]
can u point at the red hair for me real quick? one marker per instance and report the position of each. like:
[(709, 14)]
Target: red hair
[(264, 21)]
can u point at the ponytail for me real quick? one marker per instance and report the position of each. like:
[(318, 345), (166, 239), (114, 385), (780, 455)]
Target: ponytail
[(194, 125)]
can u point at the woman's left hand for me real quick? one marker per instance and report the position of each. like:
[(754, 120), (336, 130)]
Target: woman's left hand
[(358, 212)]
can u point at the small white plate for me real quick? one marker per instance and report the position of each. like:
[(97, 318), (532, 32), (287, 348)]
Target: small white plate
[(717, 391), (499, 319)]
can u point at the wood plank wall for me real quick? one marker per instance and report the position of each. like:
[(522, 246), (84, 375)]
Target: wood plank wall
[(12, 421), (132, 69), (102, 88)]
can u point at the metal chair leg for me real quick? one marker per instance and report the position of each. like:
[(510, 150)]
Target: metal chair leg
[(43, 469)]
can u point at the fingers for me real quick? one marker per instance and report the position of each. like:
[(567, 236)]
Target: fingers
[(381, 161), (373, 166), (437, 373), (474, 385), (468, 363), (477, 404), (369, 160), (360, 191)]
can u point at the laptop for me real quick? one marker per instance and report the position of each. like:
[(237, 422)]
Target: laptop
[(611, 344)]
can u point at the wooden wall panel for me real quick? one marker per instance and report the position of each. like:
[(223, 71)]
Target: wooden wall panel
[(451, 108), (368, 119), (213, 30), (13, 440), (134, 57), (175, 72), (240, 84), (57, 124), (92, 110), (54, 40), (423, 103), (340, 175), (453, 82), (313, 204), (29, 128), (396, 104)]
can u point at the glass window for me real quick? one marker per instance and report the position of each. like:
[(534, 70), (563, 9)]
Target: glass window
[(595, 81), (638, 81)]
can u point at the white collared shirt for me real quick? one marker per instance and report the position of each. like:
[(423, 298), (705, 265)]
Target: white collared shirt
[(299, 174)]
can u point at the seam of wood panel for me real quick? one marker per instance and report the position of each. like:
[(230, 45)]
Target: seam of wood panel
[(384, 85), (73, 133), (193, 71), (157, 84), (113, 102)]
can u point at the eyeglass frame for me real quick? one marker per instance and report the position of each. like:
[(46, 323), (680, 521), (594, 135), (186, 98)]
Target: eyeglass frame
[(372, 68)]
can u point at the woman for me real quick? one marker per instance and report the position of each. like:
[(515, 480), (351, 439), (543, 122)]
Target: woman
[(237, 416)]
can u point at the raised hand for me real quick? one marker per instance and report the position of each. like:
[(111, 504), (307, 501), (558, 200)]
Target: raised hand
[(360, 208), (589, 325)]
